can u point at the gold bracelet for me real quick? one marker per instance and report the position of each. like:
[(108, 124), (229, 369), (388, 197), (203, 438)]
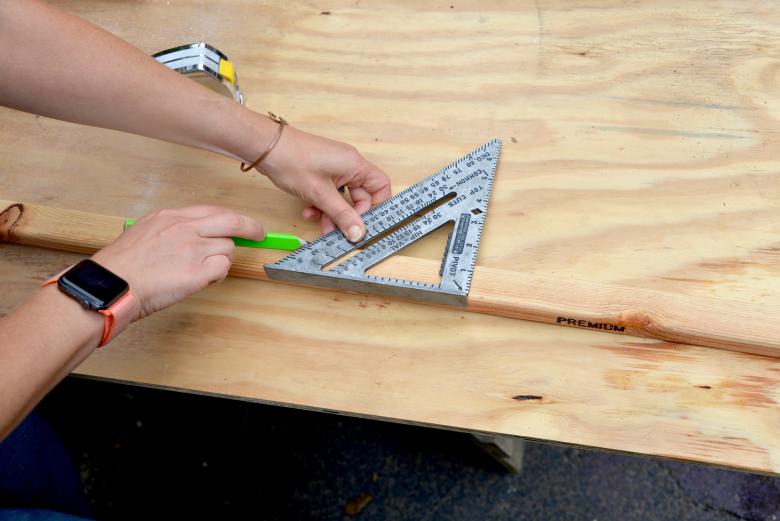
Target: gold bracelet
[(282, 122)]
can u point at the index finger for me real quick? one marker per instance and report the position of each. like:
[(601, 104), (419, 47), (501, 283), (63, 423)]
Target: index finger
[(229, 224)]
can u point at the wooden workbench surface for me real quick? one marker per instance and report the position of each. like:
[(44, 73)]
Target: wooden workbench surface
[(640, 147)]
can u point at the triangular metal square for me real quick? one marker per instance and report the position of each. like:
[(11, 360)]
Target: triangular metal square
[(466, 185)]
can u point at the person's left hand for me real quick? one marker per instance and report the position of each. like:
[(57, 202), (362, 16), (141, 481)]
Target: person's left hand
[(314, 168), (170, 254)]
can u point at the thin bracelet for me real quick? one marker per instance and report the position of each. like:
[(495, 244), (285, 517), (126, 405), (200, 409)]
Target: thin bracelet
[(282, 122)]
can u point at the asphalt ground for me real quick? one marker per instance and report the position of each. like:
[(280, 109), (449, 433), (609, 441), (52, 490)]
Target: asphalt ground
[(146, 453)]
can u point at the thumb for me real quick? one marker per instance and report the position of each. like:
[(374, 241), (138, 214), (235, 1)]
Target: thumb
[(346, 218)]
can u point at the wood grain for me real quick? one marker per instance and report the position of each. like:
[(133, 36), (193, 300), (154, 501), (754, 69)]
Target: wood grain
[(640, 149), (711, 322)]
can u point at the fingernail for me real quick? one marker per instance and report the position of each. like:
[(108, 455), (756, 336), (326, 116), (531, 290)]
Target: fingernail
[(355, 233)]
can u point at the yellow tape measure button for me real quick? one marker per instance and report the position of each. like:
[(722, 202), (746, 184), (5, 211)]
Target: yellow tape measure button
[(226, 71)]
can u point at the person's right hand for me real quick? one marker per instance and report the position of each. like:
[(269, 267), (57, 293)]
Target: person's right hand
[(170, 254), (314, 168)]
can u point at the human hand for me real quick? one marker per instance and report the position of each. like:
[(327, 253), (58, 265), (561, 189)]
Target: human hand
[(170, 254), (314, 168)]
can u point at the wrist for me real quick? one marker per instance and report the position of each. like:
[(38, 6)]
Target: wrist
[(121, 271), (98, 289), (84, 326), (253, 132)]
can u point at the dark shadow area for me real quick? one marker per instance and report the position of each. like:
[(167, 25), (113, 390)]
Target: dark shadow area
[(146, 453)]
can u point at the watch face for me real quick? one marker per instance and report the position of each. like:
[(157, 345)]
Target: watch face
[(93, 285)]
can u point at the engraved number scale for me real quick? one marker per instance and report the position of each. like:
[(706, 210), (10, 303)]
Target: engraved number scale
[(466, 185)]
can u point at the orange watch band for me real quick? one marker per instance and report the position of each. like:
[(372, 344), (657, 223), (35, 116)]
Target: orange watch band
[(118, 317)]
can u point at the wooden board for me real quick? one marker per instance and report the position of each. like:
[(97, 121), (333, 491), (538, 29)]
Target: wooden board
[(640, 149), (705, 321)]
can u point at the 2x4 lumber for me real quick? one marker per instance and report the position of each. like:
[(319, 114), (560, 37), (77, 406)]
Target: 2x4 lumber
[(712, 322)]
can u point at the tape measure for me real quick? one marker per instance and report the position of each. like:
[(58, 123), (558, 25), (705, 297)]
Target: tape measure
[(458, 194), (204, 64)]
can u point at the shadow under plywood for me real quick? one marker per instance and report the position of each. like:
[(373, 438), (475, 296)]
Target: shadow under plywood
[(147, 453)]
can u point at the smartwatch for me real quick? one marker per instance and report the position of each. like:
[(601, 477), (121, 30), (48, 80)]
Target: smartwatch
[(96, 288)]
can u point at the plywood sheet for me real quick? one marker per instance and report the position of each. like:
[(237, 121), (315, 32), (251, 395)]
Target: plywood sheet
[(640, 147)]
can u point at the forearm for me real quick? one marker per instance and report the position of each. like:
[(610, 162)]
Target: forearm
[(165, 257), (41, 341), (60, 66)]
